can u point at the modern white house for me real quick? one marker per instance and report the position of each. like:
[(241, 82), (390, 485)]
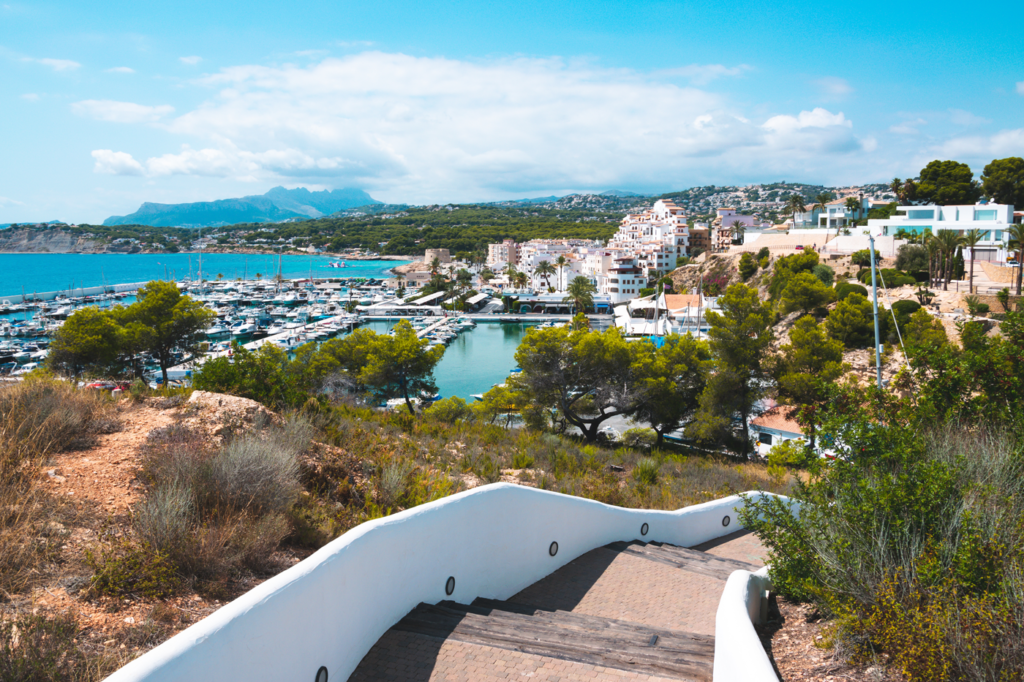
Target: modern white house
[(991, 219), (835, 214)]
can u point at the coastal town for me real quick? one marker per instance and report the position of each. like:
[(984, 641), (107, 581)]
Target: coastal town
[(478, 342)]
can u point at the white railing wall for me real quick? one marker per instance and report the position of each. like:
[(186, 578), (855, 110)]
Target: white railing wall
[(331, 608), (739, 656)]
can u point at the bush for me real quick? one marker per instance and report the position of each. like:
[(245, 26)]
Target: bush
[(521, 460), (256, 474), (748, 266), (792, 454), (449, 410), (125, 569), (906, 540), (825, 273), (646, 471), (763, 253), (642, 438), (975, 306), (887, 278), (844, 289), (861, 258), (646, 291), (1003, 295), (39, 648)]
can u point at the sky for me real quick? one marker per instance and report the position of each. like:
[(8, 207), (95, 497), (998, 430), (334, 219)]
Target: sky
[(106, 105)]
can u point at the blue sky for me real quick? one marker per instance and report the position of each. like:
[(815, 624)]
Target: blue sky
[(106, 105)]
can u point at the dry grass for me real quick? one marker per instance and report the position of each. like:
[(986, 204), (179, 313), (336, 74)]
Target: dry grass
[(37, 419)]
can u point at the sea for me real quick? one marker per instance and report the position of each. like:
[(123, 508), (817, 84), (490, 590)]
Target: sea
[(39, 272), (473, 362)]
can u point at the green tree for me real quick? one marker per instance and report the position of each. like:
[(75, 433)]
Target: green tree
[(947, 183), (401, 366), (89, 338), (923, 333), (804, 366), (172, 322), (825, 273), (948, 242), (785, 268), (748, 266), (740, 337), (806, 293), (854, 207), (912, 258), (673, 381), (852, 322), (821, 203), (580, 293), (561, 263), (339, 360), (586, 376), (520, 280), (1003, 181), (261, 375), (794, 205)]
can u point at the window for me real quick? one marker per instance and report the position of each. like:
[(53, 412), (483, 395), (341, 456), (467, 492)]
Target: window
[(921, 215), (988, 214), (999, 236), (764, 438)]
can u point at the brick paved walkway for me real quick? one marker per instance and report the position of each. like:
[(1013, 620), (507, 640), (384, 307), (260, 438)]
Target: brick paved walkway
[(602, 583)]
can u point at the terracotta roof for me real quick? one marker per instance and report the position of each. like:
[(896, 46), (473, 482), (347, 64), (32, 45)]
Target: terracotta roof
[(780, 419), (680, 301)]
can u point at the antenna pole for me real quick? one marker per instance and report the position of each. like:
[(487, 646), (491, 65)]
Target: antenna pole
[(874, 302)]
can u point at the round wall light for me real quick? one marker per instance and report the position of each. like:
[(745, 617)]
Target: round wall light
[(726, 520), (449, 586), (644, 528), (553, 549), (321, 674)]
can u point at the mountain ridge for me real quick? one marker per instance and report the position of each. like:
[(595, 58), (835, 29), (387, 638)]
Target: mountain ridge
[(276, 205)]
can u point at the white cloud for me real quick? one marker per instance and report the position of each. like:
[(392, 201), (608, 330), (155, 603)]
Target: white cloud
[(191, 61), (5, 201), (833, 87), (55, 64), (702, 74), (426, 128), (908, 127), (966, 118), (121, 69), (984, 148), (30, 97), (120, 112), (1020, 88), (110, 162)]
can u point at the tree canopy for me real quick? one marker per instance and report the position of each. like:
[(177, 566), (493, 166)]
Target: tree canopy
[(947, 182), (1003, 181)]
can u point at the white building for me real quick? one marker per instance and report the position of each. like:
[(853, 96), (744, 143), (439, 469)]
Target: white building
[(991, 219), (835, 214), (503, 253), (614, 273), (654, 238)]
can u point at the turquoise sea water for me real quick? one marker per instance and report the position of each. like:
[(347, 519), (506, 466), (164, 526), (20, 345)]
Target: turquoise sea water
[(57, 272), (476, 359)]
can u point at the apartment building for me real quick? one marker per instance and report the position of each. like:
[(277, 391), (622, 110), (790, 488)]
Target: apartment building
[(505, 252), (654, 238)]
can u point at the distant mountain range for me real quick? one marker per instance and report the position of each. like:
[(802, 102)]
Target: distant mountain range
[(277, 205)]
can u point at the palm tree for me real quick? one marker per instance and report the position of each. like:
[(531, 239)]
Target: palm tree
[(520, 280), (738, 229), (544, 269), (897, 187), (970, 240), (435, 265), (398, 278), (821, 201), (1016, 244), (581, 293), (853, 205), (795, 205), (928, 241), (561, 262), (949, 241)]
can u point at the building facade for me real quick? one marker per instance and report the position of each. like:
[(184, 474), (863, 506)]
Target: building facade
[(654, 238), (503, 253), (991, 220)]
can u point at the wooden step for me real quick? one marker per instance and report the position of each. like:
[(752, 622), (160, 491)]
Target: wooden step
[(691, 560), (583, 622), (564, 636)]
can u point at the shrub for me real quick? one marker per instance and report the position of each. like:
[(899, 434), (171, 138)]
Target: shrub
[(763, 253), (887, 278), (449, 410), (165, 518), (39, 648), (975, 306), (1003, 295), (825, 273), (646, 471), (646, 291), (861, 258), (257, 474), (844, 289), (748, 266), (122, 568), (792, 454), (522, 461), (642, 438), (392, 484)]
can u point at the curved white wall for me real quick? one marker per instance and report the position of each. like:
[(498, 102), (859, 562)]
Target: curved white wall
[(330, 609), (739, 656)]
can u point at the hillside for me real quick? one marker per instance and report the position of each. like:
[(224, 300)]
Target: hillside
[(277, 205)]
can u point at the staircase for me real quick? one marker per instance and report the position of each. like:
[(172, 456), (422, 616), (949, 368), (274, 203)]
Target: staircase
[(560, 627)]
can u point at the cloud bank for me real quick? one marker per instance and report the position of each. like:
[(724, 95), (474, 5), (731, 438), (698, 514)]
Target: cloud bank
[(428, 127)]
